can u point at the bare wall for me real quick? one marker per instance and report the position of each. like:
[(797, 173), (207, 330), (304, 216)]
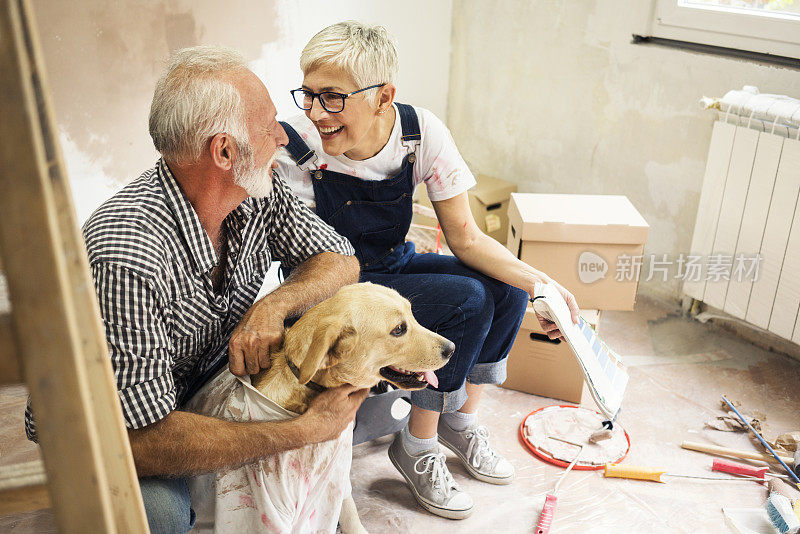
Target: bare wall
[(553, 95), (103, 59)]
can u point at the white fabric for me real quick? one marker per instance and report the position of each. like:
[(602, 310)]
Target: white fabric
[(439, 164), (783, 110), (296, 491)]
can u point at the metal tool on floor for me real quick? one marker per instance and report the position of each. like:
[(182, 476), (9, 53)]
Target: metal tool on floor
[(550, 500), (792, 474), (735, 468), (654, 475)]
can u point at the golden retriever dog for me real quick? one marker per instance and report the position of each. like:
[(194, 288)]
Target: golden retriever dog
[(365, 333)]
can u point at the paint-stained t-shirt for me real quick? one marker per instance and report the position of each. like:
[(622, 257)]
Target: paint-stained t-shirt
[(439, 164), (151, 262)]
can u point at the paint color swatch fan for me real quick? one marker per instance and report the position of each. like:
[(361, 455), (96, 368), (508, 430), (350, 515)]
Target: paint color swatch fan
[(604, 373)]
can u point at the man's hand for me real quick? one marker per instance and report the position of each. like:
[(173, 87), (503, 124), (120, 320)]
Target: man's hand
[(550, 328), (331, 411), (259, 333)]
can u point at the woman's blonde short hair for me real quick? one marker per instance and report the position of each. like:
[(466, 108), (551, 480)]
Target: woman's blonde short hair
[(367, 53)]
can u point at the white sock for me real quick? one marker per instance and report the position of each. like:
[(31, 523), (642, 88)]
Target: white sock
[(416, 446), (460, 421)]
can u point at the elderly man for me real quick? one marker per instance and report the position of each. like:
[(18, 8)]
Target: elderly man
[(178, 257)]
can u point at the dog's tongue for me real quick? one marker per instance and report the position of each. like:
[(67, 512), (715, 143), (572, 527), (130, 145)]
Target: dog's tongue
[(430, 378)]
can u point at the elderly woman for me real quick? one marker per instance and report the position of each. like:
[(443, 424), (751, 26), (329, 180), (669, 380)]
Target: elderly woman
[(356, 157)]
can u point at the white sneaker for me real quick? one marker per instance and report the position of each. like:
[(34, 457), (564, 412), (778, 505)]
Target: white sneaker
[(430, 481), (472, 448)]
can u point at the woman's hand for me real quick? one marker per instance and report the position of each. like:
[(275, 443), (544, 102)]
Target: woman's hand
[(550, 328)]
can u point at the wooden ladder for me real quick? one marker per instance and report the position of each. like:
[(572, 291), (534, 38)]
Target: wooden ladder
[(53, 339)]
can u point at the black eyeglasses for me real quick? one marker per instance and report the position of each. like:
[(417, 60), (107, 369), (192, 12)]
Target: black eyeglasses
[(331, 102)]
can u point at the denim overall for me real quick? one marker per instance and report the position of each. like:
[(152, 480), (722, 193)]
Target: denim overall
[(479, 314)]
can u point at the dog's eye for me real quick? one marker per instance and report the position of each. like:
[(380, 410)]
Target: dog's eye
[(399, 330)]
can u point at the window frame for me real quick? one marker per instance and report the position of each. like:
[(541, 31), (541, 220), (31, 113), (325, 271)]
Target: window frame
[(764, 33)]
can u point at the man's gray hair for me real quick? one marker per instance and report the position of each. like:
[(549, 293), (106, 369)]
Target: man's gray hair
[(367, 53), (192, 102)]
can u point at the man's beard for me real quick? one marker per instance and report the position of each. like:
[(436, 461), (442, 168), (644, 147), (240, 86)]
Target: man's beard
[(257, 182)]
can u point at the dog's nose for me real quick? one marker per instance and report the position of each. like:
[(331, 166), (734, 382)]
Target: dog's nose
[(448, 348)]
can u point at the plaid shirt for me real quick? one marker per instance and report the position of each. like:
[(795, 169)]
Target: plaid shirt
[(151, 261)]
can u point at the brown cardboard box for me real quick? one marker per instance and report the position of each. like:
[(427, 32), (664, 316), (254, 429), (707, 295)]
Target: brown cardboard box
[(488, 202), (590, 244), (544, 367)]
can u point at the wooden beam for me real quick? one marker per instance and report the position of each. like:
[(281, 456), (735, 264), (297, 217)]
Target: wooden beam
[(41, 260), (9, 360), (23, 488), (123, 484)]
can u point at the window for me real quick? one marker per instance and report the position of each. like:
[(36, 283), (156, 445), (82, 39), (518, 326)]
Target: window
[(763, 26)]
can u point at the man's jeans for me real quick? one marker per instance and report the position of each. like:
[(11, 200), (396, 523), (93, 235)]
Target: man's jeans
[(167, 504)]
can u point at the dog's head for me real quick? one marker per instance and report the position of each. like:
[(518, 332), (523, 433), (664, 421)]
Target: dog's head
[(363, 334)]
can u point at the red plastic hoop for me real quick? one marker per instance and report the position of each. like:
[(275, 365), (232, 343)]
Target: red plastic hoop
[(555, 461)]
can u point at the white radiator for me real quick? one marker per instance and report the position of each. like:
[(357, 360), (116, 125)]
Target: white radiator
[(748, 206)]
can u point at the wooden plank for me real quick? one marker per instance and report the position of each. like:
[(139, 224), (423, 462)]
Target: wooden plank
[(730, 214), (46, 326), (9, 361), (776, 236), (123, 484), (705, 226), (26, 499), (23, 488), (756, 210)]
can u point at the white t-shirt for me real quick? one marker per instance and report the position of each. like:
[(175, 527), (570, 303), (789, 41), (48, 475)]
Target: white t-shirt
[(438, 164)]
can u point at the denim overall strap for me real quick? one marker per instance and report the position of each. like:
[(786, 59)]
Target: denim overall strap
[(301, 153), (409, 124), (374, 215)]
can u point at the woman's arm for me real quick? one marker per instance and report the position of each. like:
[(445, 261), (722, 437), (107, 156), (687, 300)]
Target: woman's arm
[(484, 254)]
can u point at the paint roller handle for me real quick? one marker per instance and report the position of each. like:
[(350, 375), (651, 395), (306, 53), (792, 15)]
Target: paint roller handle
[(729, 466), (633, 471), (548, 511)]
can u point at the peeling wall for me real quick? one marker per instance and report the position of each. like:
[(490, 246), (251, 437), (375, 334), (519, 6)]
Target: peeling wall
[(103, 59), (553, 95)]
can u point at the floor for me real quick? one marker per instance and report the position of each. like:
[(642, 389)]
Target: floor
[(679, 368)]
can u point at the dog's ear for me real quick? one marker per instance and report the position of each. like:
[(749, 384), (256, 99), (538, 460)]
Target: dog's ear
[(327, 345)]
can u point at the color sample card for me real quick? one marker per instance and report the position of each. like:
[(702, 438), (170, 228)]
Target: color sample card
[(602, 368)]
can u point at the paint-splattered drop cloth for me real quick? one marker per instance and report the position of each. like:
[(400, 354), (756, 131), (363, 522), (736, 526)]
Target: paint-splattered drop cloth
[(292, 492)]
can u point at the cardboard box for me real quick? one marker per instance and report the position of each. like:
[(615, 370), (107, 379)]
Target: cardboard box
[(590, 244), (488, 202), (541, 366)]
